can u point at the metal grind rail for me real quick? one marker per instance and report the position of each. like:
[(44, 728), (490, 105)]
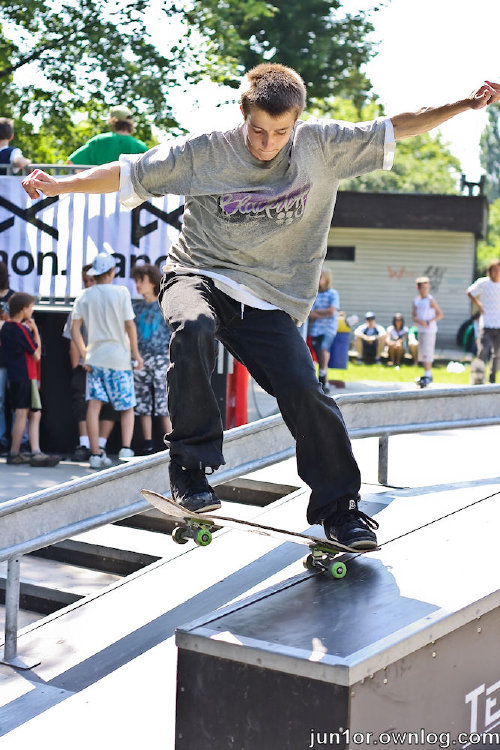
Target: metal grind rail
[(49, 516)]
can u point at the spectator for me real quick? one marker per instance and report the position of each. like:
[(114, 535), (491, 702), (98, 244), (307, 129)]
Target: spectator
[(5, 295), (395, 340), (22, 349), (369, 340), (468, 334), (11, 158), (107, 313), (107, 147), (413, 343), (153, 336), (78, 386), (425, 314), (485, 293), (323, 325)]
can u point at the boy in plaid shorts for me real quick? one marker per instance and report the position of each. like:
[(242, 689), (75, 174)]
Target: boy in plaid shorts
[(112, 343)]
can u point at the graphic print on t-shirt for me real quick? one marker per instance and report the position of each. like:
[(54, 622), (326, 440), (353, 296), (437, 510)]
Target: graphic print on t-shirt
[(283, 209)]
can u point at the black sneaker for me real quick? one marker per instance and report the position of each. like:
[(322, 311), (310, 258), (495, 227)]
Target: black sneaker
[(352, 528), (189, 488), (324, 384), (81, 453)]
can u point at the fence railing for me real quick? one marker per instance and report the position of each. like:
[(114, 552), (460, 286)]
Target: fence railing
[(7, 171)]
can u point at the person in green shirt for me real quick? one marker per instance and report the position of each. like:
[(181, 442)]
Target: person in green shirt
[(107, 147)]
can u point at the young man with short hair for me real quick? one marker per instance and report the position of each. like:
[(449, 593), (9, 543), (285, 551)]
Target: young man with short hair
[(258, 205)]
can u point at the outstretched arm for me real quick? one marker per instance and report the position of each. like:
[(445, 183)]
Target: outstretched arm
[(414, 123), (103, 179)]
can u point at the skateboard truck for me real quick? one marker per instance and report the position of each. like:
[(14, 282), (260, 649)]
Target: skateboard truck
[(200, 533), (324, 560)]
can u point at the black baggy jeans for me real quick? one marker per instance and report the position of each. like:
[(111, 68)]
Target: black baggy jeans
[(268, 343)]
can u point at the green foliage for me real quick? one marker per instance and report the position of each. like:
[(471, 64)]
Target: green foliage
[(490, 153), (324, 44), (489, 249), (422, 164), (58, 59)]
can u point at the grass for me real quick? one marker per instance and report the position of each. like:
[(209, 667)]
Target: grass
[(406, 374)]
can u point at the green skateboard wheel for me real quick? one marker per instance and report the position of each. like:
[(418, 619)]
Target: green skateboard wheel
[(338, 569), (203, 537)]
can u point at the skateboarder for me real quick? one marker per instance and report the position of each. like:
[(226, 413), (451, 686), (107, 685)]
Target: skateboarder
[(246, 267)]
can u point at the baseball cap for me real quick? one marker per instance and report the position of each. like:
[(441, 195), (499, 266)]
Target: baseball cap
[(121, 112), (369, 315), (102, 263)]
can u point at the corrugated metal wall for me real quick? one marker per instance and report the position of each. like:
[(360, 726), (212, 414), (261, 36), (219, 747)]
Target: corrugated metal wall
[(387, 262)]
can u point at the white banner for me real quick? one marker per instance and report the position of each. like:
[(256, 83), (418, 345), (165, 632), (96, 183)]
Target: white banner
[(45, 243)]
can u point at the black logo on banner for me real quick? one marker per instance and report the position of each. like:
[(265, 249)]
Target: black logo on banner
[(29, 215), (141, 230)]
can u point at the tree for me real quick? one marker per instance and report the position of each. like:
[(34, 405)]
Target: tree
[(58, 58), (490, 248), (62, 62), (490, 154), (422, 164), (326, 45)]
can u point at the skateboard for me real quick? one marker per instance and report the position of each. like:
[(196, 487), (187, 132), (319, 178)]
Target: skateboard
[(477, 371), (199, 527)]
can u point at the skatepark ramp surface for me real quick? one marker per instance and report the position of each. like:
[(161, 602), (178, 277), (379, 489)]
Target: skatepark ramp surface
[(34, 521)]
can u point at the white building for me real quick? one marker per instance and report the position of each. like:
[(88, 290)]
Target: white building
[(380, 242)]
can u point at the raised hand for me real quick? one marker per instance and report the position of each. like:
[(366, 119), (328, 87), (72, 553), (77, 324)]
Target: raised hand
[(39, 183), (488, 93)]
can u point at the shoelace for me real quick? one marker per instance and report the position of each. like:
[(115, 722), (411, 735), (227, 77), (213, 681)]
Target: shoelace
[(370, 522)]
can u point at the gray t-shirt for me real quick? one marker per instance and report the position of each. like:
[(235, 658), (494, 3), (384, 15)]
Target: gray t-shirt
[(262, 224)]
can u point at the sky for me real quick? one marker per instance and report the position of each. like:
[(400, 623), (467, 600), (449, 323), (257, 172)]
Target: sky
[(430, 52)]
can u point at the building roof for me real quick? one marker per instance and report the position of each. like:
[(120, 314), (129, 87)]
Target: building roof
[(452, 213)]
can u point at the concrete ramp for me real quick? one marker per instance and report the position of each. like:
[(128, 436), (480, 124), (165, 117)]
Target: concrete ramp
[(407, 642)]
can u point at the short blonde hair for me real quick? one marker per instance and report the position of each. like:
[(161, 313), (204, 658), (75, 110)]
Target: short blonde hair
[(274, 88), (327, 274)]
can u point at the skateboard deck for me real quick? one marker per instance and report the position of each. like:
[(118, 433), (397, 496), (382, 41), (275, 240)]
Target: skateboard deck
[(199, 528)]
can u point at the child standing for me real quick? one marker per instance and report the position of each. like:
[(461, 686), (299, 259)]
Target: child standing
[(107, 313), (21, 347), (425, 314), (153, 337), (323, 325)]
